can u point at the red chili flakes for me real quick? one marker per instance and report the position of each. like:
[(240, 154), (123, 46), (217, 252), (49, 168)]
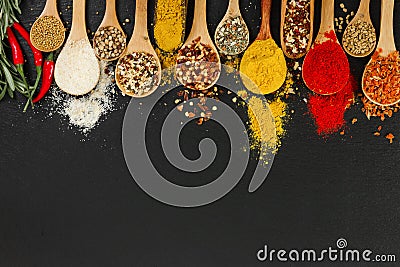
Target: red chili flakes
[(390, 137), (373, 110), (382, 79), (297, 27), (326, 69)]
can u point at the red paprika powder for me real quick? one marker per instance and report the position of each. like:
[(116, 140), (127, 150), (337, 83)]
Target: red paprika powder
[(328, 111), (326, 68)]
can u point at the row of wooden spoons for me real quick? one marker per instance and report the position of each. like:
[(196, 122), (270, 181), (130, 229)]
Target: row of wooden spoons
[(140, 39)]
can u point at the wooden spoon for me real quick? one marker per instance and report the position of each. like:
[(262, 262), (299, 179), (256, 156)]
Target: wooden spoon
[(50, 9), (264, 34), (233, 12), (140, 42), (200, 29), (78, 34), (283, 15), (327, 21), (327, 26), (265, 29), (110, 20), (363, 15), (386, 43)]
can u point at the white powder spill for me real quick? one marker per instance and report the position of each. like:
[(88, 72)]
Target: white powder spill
[(77, 68), (85, 113)]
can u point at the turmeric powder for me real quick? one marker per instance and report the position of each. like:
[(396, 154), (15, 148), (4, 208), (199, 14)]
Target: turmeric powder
[(169, 25), (265, 65)]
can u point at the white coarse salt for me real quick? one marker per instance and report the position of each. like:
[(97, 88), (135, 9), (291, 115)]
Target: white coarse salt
[(77, 68), (85, 113)]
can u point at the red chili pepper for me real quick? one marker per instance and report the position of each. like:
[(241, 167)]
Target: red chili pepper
[(38, 57), (47, 79), (17, 55)]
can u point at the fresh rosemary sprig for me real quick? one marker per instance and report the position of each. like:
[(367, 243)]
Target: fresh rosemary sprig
[(10, 79)]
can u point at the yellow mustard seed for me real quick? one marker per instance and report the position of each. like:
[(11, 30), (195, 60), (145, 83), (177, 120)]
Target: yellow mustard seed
[(47, 33)]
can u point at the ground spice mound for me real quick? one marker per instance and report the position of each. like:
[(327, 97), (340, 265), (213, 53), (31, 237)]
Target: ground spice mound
[(326, 69), (381, 81), (170, 17), (263, 64), (77, 69), (328, 111), (85, 113), (265, 135)]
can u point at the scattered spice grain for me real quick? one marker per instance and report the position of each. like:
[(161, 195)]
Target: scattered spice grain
[(373, 110), (85, 113), (47, 33), (390, 137)]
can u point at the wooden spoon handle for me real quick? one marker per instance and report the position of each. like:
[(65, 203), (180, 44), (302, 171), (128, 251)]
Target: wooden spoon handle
[(265, 30), (199, 26), (386, 39), (78, 30), (140, 28), (110, 8), (50, 8), (364, 7), (233, 7), (327, 16)]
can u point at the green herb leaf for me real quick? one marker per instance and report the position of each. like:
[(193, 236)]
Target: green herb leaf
[(2, 93), (10, 92), (9, 78)]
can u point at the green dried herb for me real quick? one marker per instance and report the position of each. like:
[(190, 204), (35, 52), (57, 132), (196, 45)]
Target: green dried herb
[(10, 79)]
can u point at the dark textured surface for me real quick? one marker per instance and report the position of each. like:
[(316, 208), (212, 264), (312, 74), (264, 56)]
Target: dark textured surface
[(64, 202)]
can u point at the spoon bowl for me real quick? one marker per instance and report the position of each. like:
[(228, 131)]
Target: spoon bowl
[(386, 44), (233, 12), (50, 10), (362, 15), (311, 31), (140, 43), (110, 20), (326, 33), (263, 58), (77, 45), (199, 33)]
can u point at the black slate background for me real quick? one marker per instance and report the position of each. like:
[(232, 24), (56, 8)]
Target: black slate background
[(68, 200)]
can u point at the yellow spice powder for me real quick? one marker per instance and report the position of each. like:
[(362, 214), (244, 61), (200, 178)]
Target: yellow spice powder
[(264, 133), (265, 65), (169, 27)]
